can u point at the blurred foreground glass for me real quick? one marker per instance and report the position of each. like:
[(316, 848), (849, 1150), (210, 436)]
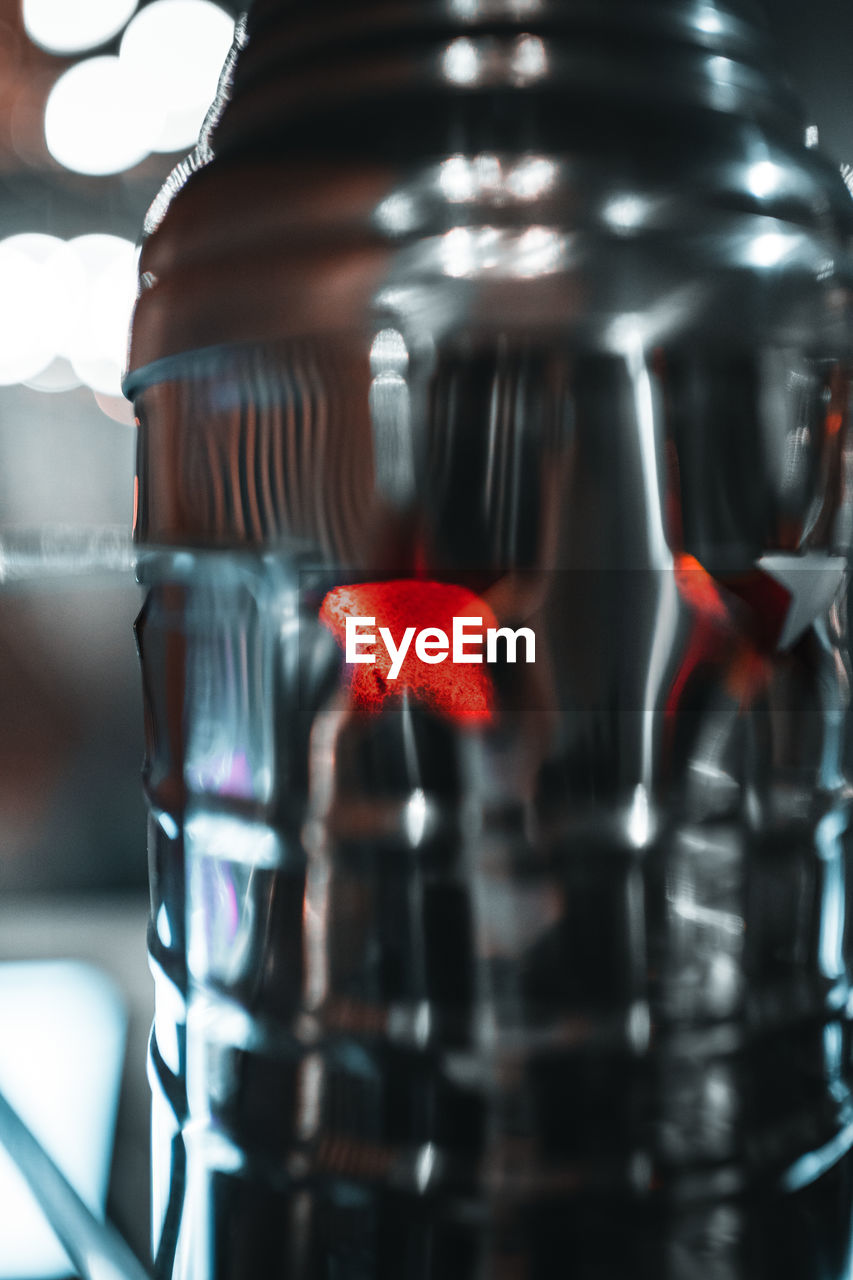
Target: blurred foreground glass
[(63, 1023), (546, 966)]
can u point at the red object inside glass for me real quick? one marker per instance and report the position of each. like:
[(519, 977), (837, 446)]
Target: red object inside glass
[(459, 691)]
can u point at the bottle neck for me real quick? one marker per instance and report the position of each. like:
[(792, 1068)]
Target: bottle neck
[(426, 75)]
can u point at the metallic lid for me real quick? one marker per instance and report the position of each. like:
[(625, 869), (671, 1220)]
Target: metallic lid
[(335, 125)]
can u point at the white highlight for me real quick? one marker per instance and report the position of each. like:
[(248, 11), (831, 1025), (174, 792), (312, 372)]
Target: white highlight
[(172, 53), (388, 352), (531, 177), (97, 342), (424, 1166), (466, 252), (461, 248), (390, 416), (721, 69), (832, 918), (709, 22), (72, 26), (659, 553), (639, 818), (461, 61), (398, 214), (768, 250), (456, 179), (625, 213), (415, 818), (529, 59), (105, 114), (659, 556), (36, 275), (763, 178), (486, 177), (541, 251), (211, 835), (168, 825), (465, 8), (94, 121), (164, 931), (711, 917), (60, 1067)]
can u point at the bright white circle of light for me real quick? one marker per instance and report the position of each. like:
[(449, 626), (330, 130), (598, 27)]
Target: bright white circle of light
[(95, 122), (71, 26), (37, 276), (65, 311), (173, 52), (97, 344)]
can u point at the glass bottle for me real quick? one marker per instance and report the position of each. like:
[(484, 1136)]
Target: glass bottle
[(543, 303)]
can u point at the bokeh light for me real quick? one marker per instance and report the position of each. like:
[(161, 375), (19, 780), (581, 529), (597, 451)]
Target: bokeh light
[(173, 52), (65, 311), (73, 26), (97, 343), (60, 1067), (37, 281), (106, 114), (95, 122)]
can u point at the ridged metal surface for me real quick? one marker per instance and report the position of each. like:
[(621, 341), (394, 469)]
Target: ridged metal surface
[(571, 990)]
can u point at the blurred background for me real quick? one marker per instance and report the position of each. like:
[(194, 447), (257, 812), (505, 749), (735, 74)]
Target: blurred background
[(98, 100)]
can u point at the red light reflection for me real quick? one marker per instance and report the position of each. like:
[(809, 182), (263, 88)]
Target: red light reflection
[(462, 692)]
